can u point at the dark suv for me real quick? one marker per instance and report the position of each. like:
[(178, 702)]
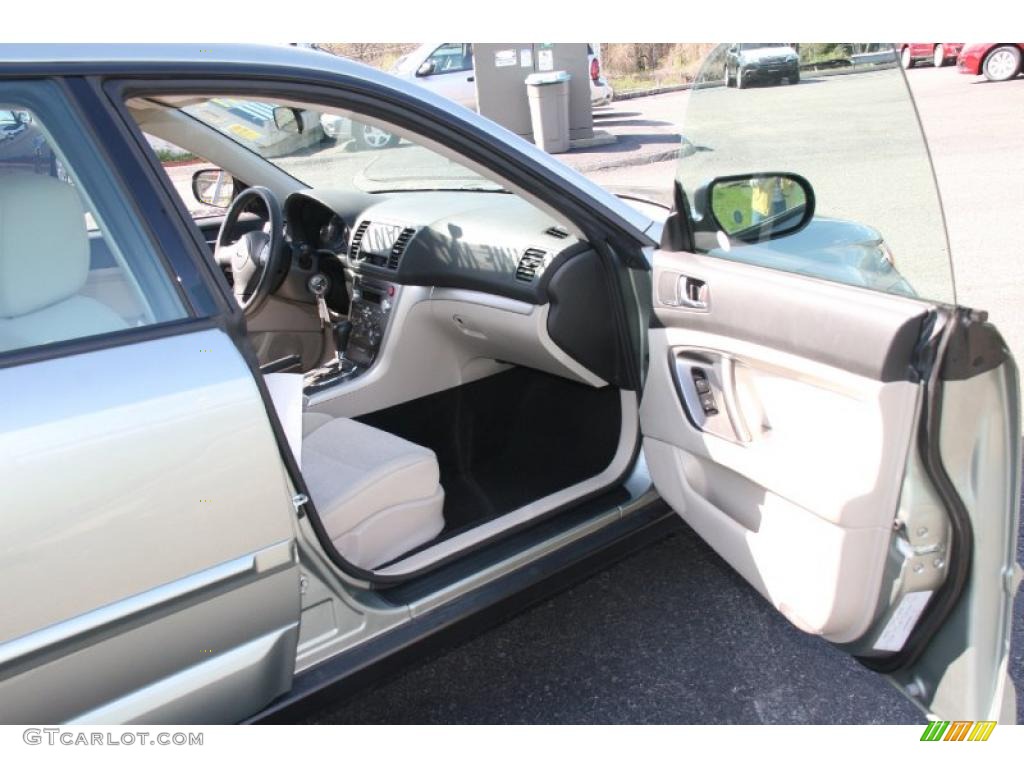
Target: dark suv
[(746, 63)]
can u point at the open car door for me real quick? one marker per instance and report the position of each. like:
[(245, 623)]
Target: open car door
[(817, 407)]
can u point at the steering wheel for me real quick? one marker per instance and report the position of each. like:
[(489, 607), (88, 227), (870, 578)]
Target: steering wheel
[(257, 259)]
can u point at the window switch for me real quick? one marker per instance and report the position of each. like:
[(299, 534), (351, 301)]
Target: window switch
[(707, 402), (702, 385)]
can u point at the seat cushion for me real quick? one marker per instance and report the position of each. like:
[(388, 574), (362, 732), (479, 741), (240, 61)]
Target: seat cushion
[(378, 495)]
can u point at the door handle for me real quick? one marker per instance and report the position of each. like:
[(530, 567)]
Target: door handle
[(470, 79), (690, 293)]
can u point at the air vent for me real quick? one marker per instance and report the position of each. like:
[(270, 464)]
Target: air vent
[(530, 264), (558, 232), (399, 247), (357, 240)]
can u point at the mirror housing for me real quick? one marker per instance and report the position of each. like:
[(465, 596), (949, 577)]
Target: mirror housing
[(425, 69), (213, 187), (288, 120), (753, 208)]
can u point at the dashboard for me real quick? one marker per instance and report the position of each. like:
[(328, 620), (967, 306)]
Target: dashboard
[(490, 242), (533, 288)]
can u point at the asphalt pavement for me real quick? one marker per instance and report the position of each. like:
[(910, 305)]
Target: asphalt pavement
[(669, 635)]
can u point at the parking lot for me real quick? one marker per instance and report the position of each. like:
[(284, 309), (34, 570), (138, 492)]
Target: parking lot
[(672, 634)]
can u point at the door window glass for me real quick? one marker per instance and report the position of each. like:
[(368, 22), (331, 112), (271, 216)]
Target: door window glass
[(841, 116), (181, 165), (62, 275), (452, 57), (325, 147)]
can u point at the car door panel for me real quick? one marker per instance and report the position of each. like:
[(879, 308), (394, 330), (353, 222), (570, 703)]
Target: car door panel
[(801, 513), (887, 327), (458, 86), (116, 677), (980, 447), (169, 519), (805, 477), (817, 406)]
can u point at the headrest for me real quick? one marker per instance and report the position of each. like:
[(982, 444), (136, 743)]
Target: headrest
[(44, 246)]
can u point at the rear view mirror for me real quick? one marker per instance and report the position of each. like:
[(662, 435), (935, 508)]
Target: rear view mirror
[(213, 187), (758, 207), (288, 120), (426, 68)]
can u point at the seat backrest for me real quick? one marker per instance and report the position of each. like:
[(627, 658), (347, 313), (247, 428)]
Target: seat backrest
[(44, 264)]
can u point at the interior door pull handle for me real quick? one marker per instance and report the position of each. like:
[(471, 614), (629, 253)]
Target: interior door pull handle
[(691, 293)]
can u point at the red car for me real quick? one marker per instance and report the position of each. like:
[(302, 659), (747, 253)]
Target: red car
[(997, 61), (938, 54)]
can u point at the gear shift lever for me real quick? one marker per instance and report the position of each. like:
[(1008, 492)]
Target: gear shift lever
[(342, 330)]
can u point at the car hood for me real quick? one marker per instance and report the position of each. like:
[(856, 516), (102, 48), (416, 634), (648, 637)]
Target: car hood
[(407, 65), (775, 52)]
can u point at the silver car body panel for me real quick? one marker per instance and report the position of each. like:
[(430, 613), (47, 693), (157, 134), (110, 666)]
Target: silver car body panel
[(82, 630), (146, 511)]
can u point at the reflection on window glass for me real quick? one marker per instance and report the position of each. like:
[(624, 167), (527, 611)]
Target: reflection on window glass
[(326, 148), (181, 165), (848, 125)]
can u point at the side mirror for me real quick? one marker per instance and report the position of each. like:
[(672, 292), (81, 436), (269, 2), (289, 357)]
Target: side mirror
[(213, 187), (288, 120), (424, 69), (752, 208), (24, 117)]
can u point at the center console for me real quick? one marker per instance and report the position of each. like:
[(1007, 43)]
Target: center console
[(370, 309)]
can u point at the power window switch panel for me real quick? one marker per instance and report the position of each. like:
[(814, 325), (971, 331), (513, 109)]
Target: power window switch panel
[(707, 402)]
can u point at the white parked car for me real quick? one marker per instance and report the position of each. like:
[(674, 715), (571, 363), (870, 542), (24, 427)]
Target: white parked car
[(447, 70)]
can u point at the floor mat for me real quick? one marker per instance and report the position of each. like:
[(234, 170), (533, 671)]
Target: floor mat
[(508, 439)]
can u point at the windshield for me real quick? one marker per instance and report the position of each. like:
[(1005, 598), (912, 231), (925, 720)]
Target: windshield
[(326, 148), (755, 46)]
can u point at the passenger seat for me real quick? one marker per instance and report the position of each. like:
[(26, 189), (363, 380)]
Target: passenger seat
[(44, 265), (378, 495)]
